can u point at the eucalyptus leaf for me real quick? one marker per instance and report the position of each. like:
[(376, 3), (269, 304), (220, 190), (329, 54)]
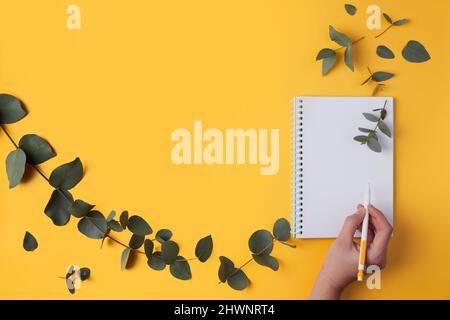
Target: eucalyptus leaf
[(79, 208), (238, 280), (351, 9), (400, 22), (148, 248), (383, 114), (163, 235), (225, 269), (11, 109), (204, 248), (29, 242), (180, 269), (138, 225), (384, 128), (361, 139), (415, 52), (15, 166), (124, 219), (365, 130), (57, 207), (327, 64), (114, 225), (36, 148), (111, 216), (387, 17), (267, 261), (136, 241), (339, 37), (370, 117), (348, 58), (381, 76), (282, 230), (373, 144), (93, 225), (169, 251), (325, 53), (67, 175), (124, 258), (85, 273), (385, 52), (156, 262), (261, 242)]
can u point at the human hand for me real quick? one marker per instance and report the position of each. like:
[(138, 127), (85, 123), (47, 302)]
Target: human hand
[(341, 265)]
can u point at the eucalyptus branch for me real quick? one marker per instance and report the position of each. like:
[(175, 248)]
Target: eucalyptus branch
[(354, 42), (385, 30)]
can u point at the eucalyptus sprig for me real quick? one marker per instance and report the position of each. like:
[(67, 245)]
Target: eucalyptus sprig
[(392, 23), (377, 77), (261, 245), (33, 150), (371, 139)]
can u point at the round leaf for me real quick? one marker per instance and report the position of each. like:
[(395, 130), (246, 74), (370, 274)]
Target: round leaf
[(327, 64), (204, 248), (180, 269), (124, 258), (67, 175), (85, 273), (238, 280), (225, 269), (37, 149), (148, 248), (282, 230), (11, 109), (261, 242), (163, 235), (29, 242), (110, 216), (169, 251), (325, 53), (79, 208), (93, 225), (415, 52), (139, 226), (351, 9), (136, 241), (156, 262), (267, 261), (381, 76), (15, 166), (57, 207), (373, 144), (115, 225), (385, 52), (124, 219)]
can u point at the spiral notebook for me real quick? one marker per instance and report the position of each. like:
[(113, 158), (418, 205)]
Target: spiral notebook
[(330, 169)]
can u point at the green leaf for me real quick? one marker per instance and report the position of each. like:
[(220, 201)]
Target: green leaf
[(15, 166), (204, 248), (114, 225), (93, 225), (124, 258), (136, 241), (267, 261), (163, 235), (381, 76), (400, 22), (282, 230), (180, 269), (11, 109), (373, 144), (225, 269), (383, 114), (325, 53), (351, 9), (148, 248), (387, 17), (238, 280), (261, 242), (29, 242), (384, 128), (79, 208), (169, 251), (385, 52), (348, 58), (36, 148), (415, 52), (67, 175), (57, 207), (370, 117), (85, 273), (365, 130), (138, 225), (327, 64), (156, 262), (361, 139), (339, 38), (124, 219), (111, 216)]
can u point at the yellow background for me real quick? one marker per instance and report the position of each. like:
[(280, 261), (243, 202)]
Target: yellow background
[(113, 92)]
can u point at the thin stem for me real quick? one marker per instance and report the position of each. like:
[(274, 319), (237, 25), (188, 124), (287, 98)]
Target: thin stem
[(384, 31), (379, 119), (9, 137), (354, 42)]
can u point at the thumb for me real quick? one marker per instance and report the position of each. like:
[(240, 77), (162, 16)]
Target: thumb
[(351, 224)]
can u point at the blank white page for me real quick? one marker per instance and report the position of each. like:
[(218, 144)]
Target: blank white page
[(331, 170)]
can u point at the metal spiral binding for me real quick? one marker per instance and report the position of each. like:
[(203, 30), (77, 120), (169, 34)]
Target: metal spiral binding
[(297, 180)]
